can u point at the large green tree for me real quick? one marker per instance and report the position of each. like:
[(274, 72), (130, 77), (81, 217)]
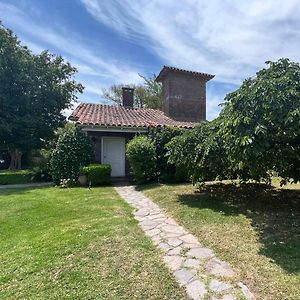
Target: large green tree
[(260, 123), (34, 91), (146, 95), (256, 134)]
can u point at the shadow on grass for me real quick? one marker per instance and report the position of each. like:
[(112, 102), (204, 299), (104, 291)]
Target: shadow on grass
[(21, 190), (274, 214)]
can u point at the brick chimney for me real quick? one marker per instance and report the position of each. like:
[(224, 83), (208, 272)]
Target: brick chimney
[(127, 94), (184, 93)]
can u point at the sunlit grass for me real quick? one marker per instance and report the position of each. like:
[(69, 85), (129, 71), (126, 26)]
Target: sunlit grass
[(77, 244), (255, 229)]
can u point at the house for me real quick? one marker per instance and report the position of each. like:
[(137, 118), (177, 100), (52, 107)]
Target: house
[(111, 127)]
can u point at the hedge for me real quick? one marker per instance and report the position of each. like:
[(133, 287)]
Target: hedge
[(16, 177), (97, 174)]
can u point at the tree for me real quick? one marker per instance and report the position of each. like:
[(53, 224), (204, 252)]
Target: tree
[(147, 95), (33, 92), (260, 123), (73, 151), (256, 134)]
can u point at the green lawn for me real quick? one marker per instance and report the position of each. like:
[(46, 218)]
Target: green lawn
[(255, 230), (77, 244)]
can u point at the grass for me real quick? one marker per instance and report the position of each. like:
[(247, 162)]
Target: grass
[(255, 229), (77, 244)]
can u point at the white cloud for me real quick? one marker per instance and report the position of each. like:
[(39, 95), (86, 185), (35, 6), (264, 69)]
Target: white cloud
[(228, 38), (231, 39), (93, 66)]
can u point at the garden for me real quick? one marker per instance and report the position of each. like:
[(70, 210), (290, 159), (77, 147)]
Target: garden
[(232, 182)]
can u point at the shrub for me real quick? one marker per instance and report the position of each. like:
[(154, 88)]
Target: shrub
[(41, 174), (166, 171), (73, 151), (202, 152), (142, 158), (15, 177), (97, 174)]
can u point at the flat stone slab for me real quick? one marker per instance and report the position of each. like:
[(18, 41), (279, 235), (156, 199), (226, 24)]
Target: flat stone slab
[(218, 267), (152, 232), (189, 239), (174, 242), (173, 261), (219, 286), (175, 251), (190, 262), (200, 253), (196, 289), (184, 276)]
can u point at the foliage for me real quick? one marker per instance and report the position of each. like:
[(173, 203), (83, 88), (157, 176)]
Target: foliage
[(39, 157), (16, 177), (142, 157), (73, 151), (201, 152), (41, 174), (166, 171), (34, 91), (256, 134), (260, 123), (97, 174), (146, 95)]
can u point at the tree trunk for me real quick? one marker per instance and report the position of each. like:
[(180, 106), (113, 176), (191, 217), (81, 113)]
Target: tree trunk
[(15, 159)]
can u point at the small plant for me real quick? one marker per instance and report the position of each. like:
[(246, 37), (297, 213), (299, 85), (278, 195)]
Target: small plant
[(97, 174)]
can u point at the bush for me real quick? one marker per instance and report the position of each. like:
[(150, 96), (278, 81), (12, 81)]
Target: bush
[(41, 174), (16, 177), (73, 151), (166, 171), (201, 151), (97, 174), (142, 158)]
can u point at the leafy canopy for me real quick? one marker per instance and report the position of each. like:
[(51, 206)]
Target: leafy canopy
[(260, 123), (256, 134), (34, 91), (146, 95)]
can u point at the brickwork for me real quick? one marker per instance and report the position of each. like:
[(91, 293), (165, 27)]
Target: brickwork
[(184, 94)]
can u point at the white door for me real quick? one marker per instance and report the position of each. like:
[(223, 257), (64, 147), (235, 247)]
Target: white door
[(114, 154)]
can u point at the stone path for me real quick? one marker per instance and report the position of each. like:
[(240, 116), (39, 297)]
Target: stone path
[(194, 266), (25, 185)]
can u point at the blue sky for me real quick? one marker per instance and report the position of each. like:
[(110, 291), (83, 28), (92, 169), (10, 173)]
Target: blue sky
[(112, 41)]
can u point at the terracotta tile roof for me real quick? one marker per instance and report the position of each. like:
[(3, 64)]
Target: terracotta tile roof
[(164, 71), (113, 115)]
